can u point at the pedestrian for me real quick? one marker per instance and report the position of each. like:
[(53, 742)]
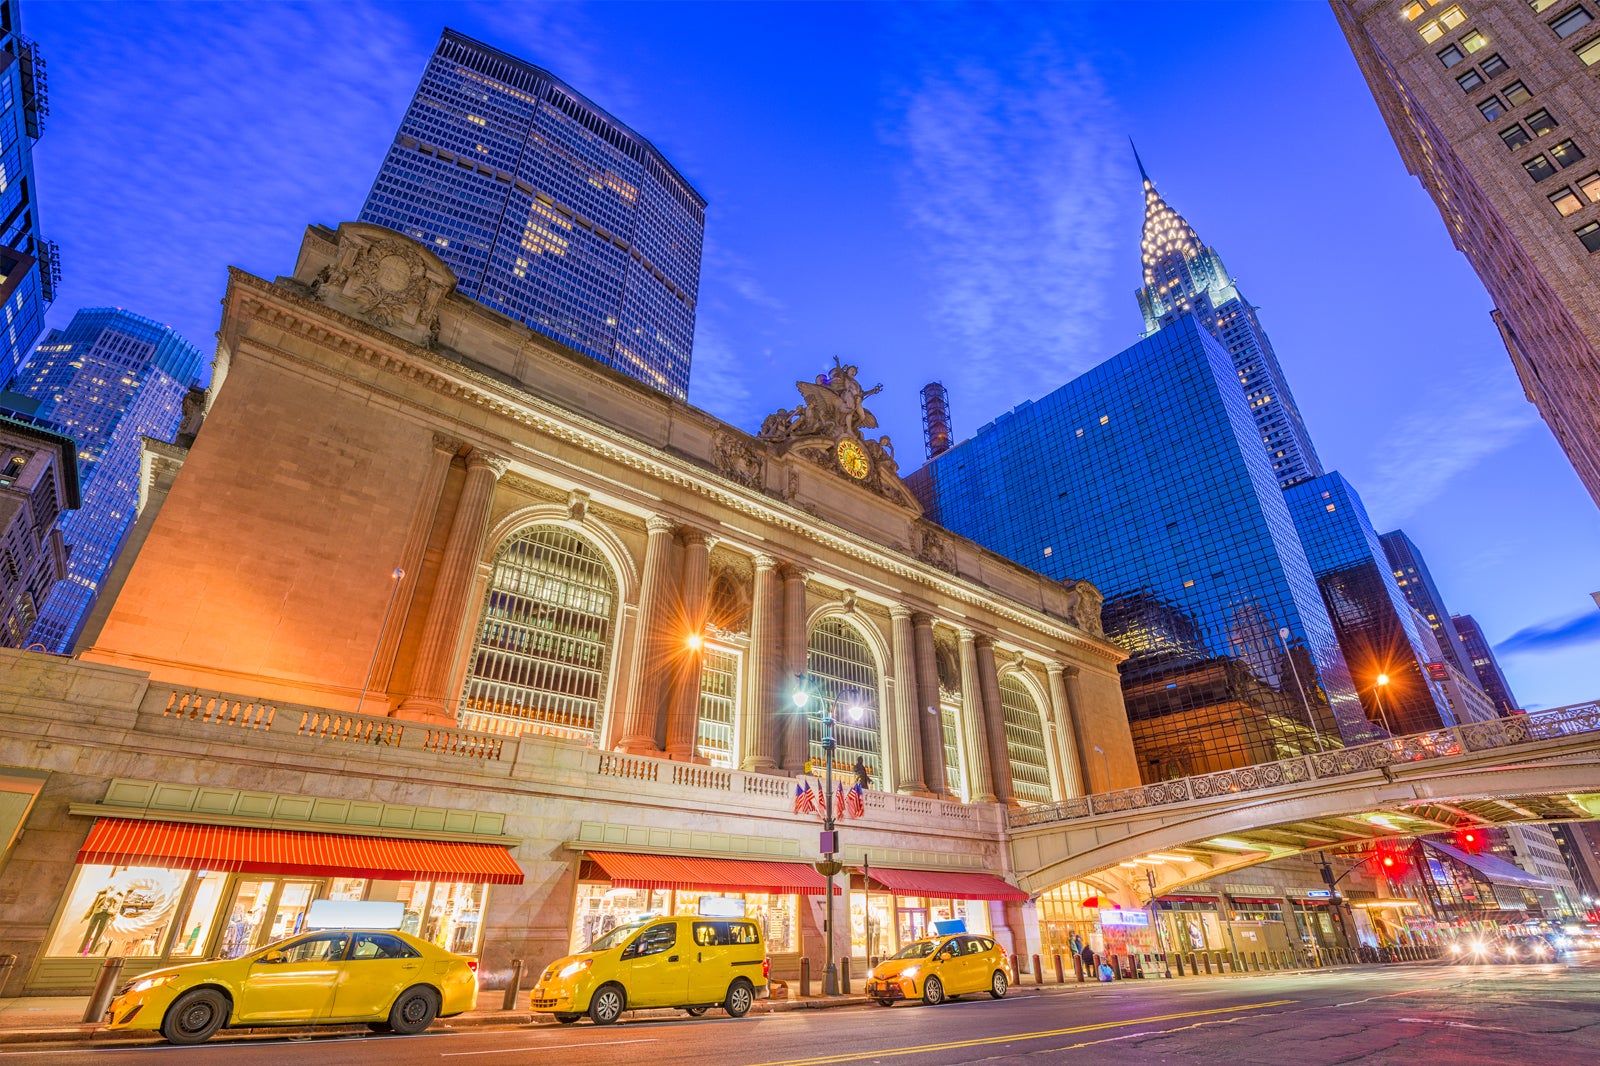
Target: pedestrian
[(1075, 944), (863, 777), (1087, 954)]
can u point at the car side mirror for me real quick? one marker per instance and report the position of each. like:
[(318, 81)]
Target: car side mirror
[(273, 957)]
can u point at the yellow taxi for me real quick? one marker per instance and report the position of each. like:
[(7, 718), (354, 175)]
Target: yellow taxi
[(690, 963), (391, 980), (939, 968)]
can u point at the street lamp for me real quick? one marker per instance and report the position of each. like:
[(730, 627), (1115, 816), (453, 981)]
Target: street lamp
[(1377, 694), (830, 866), (1283, 638), (1105, 764)]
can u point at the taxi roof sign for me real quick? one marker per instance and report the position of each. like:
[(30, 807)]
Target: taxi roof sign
[(948, 926), (354, 914)]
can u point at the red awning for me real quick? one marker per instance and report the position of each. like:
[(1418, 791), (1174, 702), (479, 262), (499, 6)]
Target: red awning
[(627, 870), (1276, 900), (1188, 899), (293, 852), (940, 884)]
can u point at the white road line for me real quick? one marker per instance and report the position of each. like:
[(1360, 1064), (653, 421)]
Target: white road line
[(555, 1047)]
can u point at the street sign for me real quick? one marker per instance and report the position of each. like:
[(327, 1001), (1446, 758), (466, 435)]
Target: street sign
[(830, 842)]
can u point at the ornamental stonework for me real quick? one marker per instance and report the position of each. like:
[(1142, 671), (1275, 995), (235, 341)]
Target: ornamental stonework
[(387, 279)]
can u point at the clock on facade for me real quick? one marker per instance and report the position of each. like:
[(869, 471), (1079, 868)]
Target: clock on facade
[(853, 459)]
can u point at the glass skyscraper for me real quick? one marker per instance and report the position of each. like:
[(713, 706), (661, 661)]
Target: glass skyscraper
[(548, 210), (109, 379), (1146, 476), (1411, 574), (1377, 628), (1484, 665), (1184, 276), (29, 265)]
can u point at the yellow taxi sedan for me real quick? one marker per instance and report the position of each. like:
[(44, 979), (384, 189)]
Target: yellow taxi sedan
[(390, 980), (939, 968)]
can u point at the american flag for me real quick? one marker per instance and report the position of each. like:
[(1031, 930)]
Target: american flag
[(838, 800), (855, 802), (805, 800)]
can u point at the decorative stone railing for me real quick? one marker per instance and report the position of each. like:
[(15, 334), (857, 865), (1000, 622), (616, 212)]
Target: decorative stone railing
[(1339, 762)]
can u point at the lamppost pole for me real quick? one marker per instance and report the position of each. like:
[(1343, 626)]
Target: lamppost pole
[(830, 976), (1283, 638)]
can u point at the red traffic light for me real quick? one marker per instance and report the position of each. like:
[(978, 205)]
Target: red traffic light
[(1388, 860)]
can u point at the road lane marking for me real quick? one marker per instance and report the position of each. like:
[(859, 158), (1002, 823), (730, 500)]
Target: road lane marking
[(552, 1047), (956, 1045)]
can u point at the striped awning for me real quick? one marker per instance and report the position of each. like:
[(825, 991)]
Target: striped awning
[(631, 870), (236, 849), (943, 884)]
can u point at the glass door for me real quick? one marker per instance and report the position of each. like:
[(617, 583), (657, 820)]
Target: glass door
[(246, 915), (289, 909)]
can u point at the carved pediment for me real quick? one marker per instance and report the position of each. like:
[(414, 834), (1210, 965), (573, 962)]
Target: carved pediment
[(388, 279), (737, 459), (1083, 606)]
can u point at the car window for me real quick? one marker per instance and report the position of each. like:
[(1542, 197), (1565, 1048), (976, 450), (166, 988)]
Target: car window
[(382, 946), (710, 934), (975, 946), (653, 941), (318, 948), (917, 949), (988, 945), (743, 933), (951, 949)]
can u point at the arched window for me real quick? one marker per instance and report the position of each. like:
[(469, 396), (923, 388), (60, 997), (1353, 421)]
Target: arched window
[(845, 676), (728, 606), (1030, 770), (543, 647)]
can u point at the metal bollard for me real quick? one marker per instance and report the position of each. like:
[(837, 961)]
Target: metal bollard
[(104, 986), (844, 975), (1205, 957), (1255, 962), (1077, 967), (1016, 967), (1180, 964), (805, 977), (7, 962), (1061, 970), (1038, 971), (514, 989), (1116, 967)]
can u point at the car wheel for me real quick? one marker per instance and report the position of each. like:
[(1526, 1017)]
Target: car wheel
[(194, 1016), (608, 1004), (997, 987), (414, 1011), (741, 996), (567, 1019), (695, 1012), (885, 1002), (933, 992)]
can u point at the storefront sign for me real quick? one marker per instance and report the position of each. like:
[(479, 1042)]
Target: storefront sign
[(1124, 918), (1319, 893)]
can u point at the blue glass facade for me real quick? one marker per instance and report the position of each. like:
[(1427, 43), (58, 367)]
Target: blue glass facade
[(1486, 668), (1184, 276), (1377, 627), (1145, 476), (548, 210), (1410, 572), (29, 270), (110, 378)]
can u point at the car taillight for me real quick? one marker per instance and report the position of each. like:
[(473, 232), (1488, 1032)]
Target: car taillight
[(472, 964), (766, 966)]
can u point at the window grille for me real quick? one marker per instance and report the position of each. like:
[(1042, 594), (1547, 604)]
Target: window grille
[(1030, 768), (719, 703), (843, 675)]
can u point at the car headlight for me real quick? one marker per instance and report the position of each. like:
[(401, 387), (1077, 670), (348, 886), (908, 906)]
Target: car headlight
[(576, 966), (145, 984), (911, 971)]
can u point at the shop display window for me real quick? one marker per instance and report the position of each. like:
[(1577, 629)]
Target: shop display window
[(600, 908), (118, 910), (194, 932), (455, 916)]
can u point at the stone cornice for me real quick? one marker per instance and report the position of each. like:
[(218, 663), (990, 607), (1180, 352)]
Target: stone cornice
[(285, 309)]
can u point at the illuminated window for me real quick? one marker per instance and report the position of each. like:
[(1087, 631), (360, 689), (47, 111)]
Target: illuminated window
[(1473, 41), (1492, 108), (1494, 66), (844, 675), (1517, 94), (1566, 153), (1515, 137), (1452, 17), (1413, 11), (1331, 508), (1104, 419), (1591, 187), (1541, 123), (1450, 56), (1566, 202), (1571, 22), (1024, 729), (1470, 80), (1540, 5), (1590, 53), (1590, 236), (1539, 168)]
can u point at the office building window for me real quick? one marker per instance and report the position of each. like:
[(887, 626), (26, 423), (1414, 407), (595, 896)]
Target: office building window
[(1539, 168), (1473, 42), (1571, 22), (1590, 236), (1541, 123), (1494, 66), (1566, 202), (1470, 80), (1451, 17), (1590, 53), (1413, 11), (1517, 94), (1591, 187), (1566, 153), (1515, 137), (1540, 5), (1450, 56), (1492, 108)]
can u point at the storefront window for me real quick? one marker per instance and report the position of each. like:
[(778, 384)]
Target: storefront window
[(872, 925), (1192, 925), (194, 933), (601, 908), (249, 910), (348, 888), (455, 914), (118, 910), (1062, 913)]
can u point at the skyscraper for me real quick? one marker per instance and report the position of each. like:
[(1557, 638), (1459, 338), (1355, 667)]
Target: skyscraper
[(38, 480), (1410, 572), (1377, 627), (1484, 665), (548, 210), (109, 379), (29, 265), (1494, 109), (1183, 275), (1146, 476)]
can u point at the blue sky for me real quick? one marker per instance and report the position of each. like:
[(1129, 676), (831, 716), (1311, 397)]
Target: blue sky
[(929, 191)]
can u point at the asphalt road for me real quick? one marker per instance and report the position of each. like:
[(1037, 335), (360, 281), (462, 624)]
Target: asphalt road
[(1416, 1015)]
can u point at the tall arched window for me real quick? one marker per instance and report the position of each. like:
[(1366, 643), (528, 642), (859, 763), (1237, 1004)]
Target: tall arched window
[(543, 647), (1030, 769), (844, 674)]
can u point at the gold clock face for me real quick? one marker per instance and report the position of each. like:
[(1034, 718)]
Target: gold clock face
[(853, 459)]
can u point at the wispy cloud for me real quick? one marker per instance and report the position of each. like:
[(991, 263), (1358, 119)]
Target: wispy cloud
[(1568, 632), (1418, 458), (1015, 199)]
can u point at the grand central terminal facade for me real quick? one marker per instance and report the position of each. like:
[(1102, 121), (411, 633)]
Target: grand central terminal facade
[(435, 610)]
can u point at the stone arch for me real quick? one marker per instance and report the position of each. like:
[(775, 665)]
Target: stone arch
[(1029, 772), (836, 622), (623, 564)]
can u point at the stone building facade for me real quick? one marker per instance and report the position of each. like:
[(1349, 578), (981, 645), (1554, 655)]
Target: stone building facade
[(38, 480), (1494, 108), (426, 578)]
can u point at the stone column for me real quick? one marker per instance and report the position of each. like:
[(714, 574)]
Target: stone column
[(974, 737), (642, 720), (994, 722), (448, 614), (908, 727), (756, 720), (683, 721), (1066, 723), (793, 735), (929, 714), (422, 519)]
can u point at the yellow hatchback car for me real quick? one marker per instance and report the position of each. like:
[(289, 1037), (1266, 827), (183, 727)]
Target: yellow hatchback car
[(390, 980), (939, 968), (685, 962)]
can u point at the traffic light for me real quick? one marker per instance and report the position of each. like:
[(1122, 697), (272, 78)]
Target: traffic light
[(1470, 840)]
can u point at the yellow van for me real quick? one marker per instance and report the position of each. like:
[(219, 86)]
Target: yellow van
[(686, 962)]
